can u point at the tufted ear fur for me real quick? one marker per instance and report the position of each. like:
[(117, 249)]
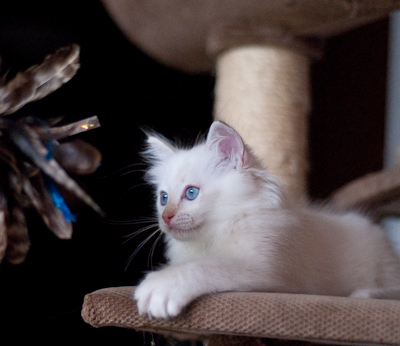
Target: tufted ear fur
[(226, 143), (158, 147)]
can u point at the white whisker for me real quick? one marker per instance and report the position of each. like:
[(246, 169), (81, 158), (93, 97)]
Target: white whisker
[(152, 250), (139, 247), (128, 222), (123, 169), (140, 231), (133, 171)]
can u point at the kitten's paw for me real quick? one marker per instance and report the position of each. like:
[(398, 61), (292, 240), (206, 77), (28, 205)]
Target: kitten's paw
[(162, 295)]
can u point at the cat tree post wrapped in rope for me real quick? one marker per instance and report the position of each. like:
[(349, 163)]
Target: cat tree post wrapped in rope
[(263, 92)]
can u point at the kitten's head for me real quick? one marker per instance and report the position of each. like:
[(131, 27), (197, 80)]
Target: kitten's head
[(203, 186)]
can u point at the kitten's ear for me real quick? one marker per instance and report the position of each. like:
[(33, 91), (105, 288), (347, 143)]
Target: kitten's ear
[(158, 147), (226, 142)]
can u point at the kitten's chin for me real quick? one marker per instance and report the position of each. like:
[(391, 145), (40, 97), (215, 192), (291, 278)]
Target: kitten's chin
[(181, 234)]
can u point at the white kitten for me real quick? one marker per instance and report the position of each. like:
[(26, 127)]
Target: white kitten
[(229, 227)]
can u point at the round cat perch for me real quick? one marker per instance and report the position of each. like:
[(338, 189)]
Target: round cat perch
[(260, 51)]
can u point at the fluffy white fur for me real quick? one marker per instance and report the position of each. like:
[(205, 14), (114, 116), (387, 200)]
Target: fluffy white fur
[(241, 233)]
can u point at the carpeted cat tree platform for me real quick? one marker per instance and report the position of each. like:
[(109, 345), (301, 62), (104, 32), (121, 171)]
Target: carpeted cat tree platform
[(260, 52)]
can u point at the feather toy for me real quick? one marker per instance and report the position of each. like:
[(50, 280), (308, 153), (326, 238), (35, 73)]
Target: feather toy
[(34, 160)]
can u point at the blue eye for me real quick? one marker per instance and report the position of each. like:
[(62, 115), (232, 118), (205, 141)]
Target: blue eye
[(163, 198), (192, 192)]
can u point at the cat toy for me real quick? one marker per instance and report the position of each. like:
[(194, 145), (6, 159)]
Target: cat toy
[(34, 161)]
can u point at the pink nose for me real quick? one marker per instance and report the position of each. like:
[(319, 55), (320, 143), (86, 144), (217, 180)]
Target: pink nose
[(167, 216)]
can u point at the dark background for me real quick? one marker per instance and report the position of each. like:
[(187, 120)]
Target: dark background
[(41, 299)]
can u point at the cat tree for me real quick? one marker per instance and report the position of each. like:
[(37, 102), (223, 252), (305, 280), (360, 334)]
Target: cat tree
[(260, 52)]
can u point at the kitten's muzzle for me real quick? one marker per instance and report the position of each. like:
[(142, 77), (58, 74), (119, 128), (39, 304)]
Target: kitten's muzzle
[(168, 213)]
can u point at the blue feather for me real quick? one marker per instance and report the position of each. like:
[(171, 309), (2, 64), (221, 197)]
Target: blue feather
[(58, 199), (54, 193)]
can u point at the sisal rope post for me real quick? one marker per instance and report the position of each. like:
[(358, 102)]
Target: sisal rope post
[(263, 92)]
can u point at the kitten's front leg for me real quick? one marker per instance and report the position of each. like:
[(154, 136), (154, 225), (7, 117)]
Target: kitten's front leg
[(166, 292)]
